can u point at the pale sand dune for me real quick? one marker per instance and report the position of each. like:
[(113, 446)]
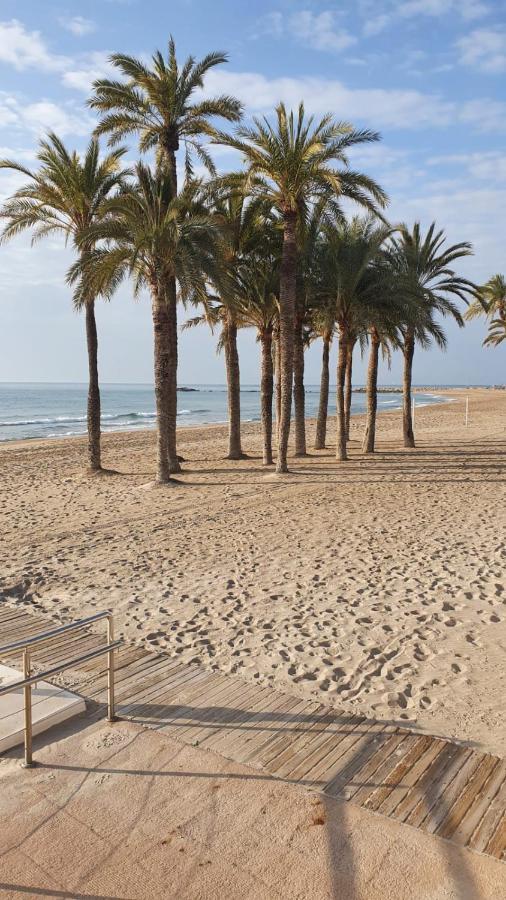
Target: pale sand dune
[(375, 585)]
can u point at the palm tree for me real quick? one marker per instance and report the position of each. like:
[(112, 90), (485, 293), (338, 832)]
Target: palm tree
[(496, 333), (490, 302), (424, 268), (258, 287), (68, 195), (389, 311), (343, 260), (157, 103), (226, 315), (152, 236), (289, 164), (323, 320), (241, 224)]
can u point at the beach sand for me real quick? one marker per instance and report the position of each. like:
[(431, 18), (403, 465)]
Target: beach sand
[(375, 585)]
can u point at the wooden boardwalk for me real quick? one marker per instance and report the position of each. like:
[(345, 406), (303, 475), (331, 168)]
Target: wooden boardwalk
[(436, 785)]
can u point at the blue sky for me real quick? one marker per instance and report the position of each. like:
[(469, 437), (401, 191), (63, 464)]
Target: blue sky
[(428, 74)]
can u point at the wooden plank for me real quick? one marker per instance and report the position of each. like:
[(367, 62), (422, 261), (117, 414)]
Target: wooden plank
[(179, 692), (285, 742), (497, 843), (367, 754), (490, 821), (391, 753), (174, 698), (242, 746), (308, 767), (220, 717), (435, 785), (465, 801), (258, 734), (349, 753), (146, 681), (398, 774), (431, 775), (468, 825), (411, 778), (167, 680), (450, 792), (126, 669), (178, 704)]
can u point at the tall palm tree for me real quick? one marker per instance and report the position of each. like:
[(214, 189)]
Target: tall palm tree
[(323, 320), (389, 311), (289, 163), (152, 236), (158, 103), (68, 195), (343, 260), (423, 265), (241, 222)]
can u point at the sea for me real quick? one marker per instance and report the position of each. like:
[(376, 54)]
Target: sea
[(34, 411)]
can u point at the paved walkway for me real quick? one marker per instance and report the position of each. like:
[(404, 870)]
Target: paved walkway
[(439, 786)]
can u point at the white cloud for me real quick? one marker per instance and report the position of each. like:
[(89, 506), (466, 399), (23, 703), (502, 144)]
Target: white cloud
[(486, 166), (48, 116), (377, 24), (93, 66), (317, 30), (467, 9), (26, 49), (484, 49), (377, 19), (44, 115), (78, 25), (378, 107)]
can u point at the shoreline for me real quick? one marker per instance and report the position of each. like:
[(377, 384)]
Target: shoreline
[(310, 420)]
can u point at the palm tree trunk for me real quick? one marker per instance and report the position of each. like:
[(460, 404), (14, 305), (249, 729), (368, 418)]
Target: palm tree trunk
[(348, 385), (172, 354), (298, 389), (321, 422), (233, 388), (93, 389), (266, 391), (342, 357), (407, 421), (162, 367), (277, 368), (287, 295), (372, 393)]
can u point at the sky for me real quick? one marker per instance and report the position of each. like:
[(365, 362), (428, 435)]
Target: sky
[(429, 75)]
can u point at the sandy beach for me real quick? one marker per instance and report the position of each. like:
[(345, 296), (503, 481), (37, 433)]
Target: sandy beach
[(376, 585)]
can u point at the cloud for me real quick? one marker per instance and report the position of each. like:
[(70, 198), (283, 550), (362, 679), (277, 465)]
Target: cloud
[(44, 115), (377, 21), (78, 25), (486, 166), (26, 49), (467, 9), (93, 66), (317, 30), (378, 107), (484, 49)]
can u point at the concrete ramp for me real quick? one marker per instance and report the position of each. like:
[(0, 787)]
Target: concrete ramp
[(51, 705)]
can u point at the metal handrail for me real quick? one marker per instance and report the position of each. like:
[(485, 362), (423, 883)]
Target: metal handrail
[(29, 679), (47, 635)]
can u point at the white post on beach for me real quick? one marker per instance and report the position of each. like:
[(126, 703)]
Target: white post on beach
[(413, 415), (467, 411)]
